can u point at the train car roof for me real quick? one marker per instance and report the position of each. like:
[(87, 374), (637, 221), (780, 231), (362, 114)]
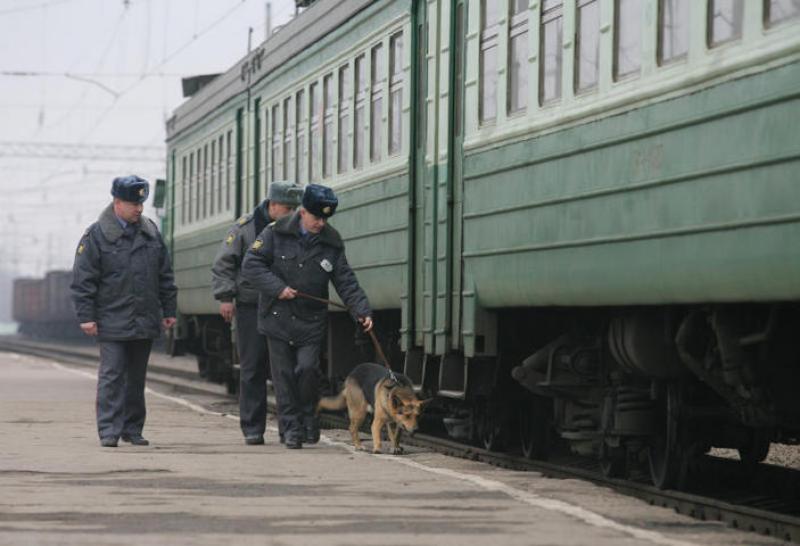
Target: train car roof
[(314, 23)]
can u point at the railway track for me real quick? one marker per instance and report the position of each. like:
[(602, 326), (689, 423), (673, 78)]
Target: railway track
[(769, 504)]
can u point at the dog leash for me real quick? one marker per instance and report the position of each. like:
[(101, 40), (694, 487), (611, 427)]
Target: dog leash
[(371, 333)]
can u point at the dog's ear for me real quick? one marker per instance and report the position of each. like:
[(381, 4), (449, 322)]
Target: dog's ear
[(422, 403)]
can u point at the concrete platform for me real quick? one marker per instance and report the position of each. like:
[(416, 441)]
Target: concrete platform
[(199, 484)]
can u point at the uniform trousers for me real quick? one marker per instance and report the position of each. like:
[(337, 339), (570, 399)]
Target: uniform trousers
[(295, 378), (120, 387), (252, 372)]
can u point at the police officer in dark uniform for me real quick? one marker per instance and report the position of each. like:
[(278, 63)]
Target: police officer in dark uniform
[(124, 294), (299, 254), (227, 285)]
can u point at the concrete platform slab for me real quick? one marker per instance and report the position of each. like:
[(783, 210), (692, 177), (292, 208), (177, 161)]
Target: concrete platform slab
[(199, 484)]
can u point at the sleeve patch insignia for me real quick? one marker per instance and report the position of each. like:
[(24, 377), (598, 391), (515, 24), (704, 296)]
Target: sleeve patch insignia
[(81, 248), (229, 239), (258, 243), (326, 265)]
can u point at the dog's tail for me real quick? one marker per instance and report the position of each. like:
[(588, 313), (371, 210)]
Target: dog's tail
[(332, 403)]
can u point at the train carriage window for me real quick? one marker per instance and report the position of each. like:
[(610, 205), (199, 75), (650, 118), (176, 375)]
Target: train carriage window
[(358, 114), (288, 138), (395, 93), (344, 117), (300, 121), (376, 117), (204, 197), (212, 178), (228, 145), (184, 190), (316, 113), (627, 38), (587, 45), (327, 126), (517, 56), (673, 30), (724, 21), (776, 11), (198, 199), (220, 174), (190, 200), (276, 144), (550, 57), (488, 61)]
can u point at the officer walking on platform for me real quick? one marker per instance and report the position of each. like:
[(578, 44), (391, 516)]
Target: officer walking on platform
[(300, 254), (124, 294), (228, 285)]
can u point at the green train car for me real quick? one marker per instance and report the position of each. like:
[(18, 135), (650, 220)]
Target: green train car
[(578, 220)]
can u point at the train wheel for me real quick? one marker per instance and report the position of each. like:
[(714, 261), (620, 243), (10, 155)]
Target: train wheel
[(491, 433), (758, 448), (613, 461), (666, 460), (534, 428)]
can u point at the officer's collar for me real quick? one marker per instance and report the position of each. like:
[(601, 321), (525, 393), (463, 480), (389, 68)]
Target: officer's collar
[(112, 230), (290, 225)]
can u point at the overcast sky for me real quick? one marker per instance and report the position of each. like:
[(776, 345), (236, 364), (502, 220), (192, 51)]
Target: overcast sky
[(97, 72)]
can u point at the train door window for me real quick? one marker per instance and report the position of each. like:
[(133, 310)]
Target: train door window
[(376, 116), (358, 113), (313, 160), (300, 121), (220, 173), (288, 138), (395, 93), (344, 117), (517, 55), (204, 198), (488, 60), (212, 178), (229, 155), (587, 45), (724, 21), (550, 59), (627, 38), (776, 11), (276, 144), (198, 180), (673, 30), (184, 190), (327, 126)]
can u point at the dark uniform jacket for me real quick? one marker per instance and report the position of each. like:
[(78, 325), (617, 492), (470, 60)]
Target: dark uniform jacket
[(123, 280), (281, 256), (226, 280)]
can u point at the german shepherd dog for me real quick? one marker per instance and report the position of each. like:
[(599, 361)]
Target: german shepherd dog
[(370, 388)]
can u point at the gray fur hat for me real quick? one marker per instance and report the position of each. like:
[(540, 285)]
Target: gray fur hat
[(285, 193)]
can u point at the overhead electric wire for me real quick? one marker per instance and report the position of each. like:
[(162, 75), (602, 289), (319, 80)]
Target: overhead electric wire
[(33, 7)]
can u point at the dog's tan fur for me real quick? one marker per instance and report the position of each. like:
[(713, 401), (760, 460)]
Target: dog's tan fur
[(397, 407)]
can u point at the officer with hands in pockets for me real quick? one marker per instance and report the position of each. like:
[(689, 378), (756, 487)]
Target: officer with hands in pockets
[(228, 285), (301, 253), (124, 294)]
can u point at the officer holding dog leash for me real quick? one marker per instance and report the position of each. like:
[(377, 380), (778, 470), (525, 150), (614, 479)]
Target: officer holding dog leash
[(299, 255), (228, 284)]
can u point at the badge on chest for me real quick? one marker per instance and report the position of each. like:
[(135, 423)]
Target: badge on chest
[(326, 265)]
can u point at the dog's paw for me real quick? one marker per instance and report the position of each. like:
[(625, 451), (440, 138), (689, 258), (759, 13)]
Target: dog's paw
[(376, 451), (398, 450)]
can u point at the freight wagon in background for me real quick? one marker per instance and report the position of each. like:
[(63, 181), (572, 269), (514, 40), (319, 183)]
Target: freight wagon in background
[(577, 220), (42, 307)]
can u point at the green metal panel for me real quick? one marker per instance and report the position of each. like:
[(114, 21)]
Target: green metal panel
[(693, 199), (373, 221), (192, 258)]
